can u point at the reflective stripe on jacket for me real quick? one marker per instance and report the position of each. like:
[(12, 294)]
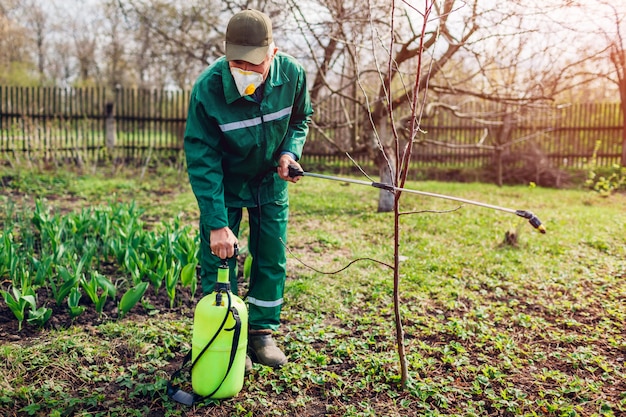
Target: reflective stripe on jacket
[(233, 143)]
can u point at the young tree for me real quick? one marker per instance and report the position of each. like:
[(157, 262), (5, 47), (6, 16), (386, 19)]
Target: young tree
[(617, 55), (173, 41), (16, 64), (37, 23), (594, 52)]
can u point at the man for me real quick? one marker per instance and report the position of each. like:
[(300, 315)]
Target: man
[(247, 122)]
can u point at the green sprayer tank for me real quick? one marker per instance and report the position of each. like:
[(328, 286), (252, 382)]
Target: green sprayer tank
[(219, 341)]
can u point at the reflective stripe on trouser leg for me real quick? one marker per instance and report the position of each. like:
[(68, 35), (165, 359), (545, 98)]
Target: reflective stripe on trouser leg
[(269, 264), (209, 262)]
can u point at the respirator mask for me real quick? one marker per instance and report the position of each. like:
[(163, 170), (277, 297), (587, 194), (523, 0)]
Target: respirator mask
[(246, 81)]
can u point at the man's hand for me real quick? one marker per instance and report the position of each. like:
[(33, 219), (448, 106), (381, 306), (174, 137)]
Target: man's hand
[(283, 168), (223, 243)]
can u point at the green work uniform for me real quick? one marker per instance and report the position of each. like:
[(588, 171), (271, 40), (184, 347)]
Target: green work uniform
[(232, 146)]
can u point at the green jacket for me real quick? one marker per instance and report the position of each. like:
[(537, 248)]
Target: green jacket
[(233, 143)]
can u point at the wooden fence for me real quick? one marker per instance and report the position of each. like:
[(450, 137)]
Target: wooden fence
[(90, 123), (96, 123)]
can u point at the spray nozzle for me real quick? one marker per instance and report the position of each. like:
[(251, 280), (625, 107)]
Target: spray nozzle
[(532, 219)]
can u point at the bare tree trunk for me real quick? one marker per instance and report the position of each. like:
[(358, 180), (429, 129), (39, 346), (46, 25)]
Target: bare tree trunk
[(498, 153), (404, 369), (386, 199), (386, 160), (624, 134), (503, 136)]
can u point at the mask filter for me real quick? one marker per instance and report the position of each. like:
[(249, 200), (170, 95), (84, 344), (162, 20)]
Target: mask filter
[(246, 81)]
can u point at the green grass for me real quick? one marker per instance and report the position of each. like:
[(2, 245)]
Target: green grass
[(491, 329)]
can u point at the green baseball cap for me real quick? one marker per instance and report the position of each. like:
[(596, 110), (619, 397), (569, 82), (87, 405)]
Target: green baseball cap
[(248, 37)]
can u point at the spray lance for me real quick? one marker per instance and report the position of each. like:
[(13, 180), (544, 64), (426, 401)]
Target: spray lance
[(532, 219)]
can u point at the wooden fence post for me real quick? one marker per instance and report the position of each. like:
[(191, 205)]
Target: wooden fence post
[(109, 125)]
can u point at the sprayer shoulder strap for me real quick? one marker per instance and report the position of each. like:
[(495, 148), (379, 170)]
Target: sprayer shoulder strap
[(233, 348), (183, 397)]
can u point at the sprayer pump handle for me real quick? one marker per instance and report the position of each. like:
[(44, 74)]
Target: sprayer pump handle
[(235, 254)]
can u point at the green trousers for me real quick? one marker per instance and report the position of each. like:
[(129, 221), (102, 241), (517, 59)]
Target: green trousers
[(268, 226)]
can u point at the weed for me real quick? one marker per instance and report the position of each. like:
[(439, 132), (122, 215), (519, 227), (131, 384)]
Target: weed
[(605, 185)]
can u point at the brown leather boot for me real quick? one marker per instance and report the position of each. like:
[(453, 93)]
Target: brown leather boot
[(248, 365), (263, 349)]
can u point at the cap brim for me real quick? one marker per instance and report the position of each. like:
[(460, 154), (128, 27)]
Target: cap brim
[(252, 54)]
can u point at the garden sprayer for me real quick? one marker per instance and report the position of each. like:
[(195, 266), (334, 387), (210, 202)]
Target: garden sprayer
[(532, 219), (219, 342)]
